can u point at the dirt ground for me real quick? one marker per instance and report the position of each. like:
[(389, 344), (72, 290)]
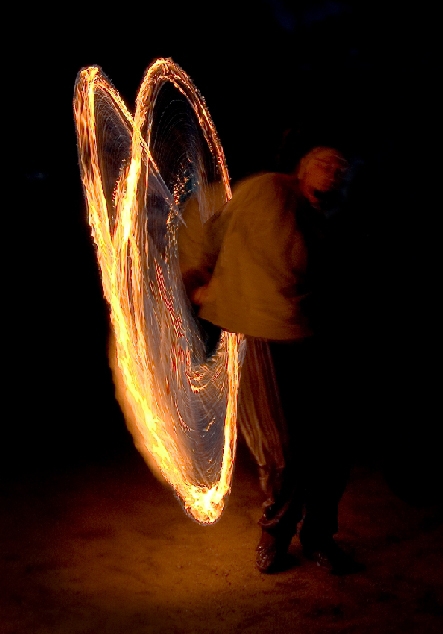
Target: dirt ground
[(105, 548)]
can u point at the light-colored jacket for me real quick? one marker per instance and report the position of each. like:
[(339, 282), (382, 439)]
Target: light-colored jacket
[(257, 248)]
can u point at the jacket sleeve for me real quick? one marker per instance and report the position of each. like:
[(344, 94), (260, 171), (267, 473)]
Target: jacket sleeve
[(199, 242)]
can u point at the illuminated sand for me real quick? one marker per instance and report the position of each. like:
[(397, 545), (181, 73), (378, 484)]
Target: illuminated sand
[(137, 173)]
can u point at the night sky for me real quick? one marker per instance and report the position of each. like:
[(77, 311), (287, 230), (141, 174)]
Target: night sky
[(362, 75)]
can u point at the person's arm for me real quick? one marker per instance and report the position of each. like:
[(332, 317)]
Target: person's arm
[(199, 245)]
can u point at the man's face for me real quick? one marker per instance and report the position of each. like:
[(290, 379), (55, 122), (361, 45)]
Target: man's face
[(322, 177)]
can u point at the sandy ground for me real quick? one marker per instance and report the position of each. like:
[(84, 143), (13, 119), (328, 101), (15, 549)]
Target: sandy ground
[(106, 549)]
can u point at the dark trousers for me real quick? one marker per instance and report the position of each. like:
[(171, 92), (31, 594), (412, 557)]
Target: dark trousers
[(316, 467)]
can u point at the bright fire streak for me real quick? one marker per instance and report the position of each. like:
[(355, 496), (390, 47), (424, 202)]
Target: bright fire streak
[(161, 378)]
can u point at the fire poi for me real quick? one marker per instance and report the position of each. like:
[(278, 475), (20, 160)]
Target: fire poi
[(138, 171)]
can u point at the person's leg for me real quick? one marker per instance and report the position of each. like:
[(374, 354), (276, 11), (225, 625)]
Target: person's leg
[(328, 453), (327, 478), (328, 460), (263, 425), (285, 487)]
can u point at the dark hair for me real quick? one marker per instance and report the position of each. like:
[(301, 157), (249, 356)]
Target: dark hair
[(296, 141)]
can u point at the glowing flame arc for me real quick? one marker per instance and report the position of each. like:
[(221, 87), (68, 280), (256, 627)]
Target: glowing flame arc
[(179, 405)]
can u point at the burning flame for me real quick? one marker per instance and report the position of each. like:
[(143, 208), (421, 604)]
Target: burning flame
[(179, 405)]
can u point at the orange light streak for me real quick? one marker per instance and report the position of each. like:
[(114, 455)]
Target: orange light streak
[(164, 382)]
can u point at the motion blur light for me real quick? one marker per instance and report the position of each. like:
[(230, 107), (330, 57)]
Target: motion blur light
[(137, 173)]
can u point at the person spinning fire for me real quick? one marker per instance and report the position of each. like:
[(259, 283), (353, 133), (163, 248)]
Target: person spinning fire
[(265, 270)]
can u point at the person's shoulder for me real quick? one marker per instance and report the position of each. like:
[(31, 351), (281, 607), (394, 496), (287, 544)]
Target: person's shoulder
[(264, 183), (264, 178)]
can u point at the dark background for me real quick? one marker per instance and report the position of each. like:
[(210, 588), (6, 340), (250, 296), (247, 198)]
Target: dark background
[(362, 75)]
